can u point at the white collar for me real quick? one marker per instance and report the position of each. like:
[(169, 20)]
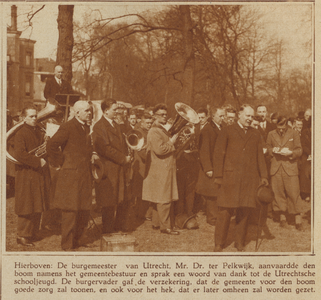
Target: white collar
[(218, 126), (58, 80), (109, 120), (81, 122), (238, 122), (202, 126)]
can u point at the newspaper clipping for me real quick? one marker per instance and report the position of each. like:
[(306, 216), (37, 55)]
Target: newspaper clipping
[(160, 150)]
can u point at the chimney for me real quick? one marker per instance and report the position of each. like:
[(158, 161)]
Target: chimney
[(14, 18)]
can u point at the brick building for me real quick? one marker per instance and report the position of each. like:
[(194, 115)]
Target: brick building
[(20, 67)]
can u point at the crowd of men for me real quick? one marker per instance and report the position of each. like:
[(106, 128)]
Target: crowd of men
[(217, 169)]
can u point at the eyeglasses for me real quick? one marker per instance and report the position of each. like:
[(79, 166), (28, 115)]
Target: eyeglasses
[(162, 115)]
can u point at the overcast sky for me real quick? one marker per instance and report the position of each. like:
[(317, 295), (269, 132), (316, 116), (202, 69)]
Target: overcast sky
[(281, 19)]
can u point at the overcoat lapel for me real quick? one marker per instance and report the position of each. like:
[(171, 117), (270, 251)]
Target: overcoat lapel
[(112, 129), (79, 127), (245, 136), (82, 131), (119, 133), (241, 131), (249, 133), (216, 129)]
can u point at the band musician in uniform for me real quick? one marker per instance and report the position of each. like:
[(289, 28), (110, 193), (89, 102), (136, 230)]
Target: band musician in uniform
[(32, 178), (160, 185), (138, 167)]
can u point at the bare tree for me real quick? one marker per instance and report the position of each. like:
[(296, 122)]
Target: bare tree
[(196, 54), (66, 39)]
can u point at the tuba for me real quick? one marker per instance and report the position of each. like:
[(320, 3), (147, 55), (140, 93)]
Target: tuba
[(47, 112), (185, 115), (134, 140)]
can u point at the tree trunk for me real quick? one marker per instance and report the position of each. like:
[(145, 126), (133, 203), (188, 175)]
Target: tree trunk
[(189, 58), (66, 39)]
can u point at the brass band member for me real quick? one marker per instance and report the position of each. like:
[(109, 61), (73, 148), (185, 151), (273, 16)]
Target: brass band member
[(32, 178), (138, 167), (160, 186)]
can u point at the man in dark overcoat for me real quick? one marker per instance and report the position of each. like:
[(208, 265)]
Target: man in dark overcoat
[(188, 166), (110, 145), (264, 128), (70, 151), (305, 171), (239, 167), (205, 185), (57, 85), (138, 167), (32, 178)]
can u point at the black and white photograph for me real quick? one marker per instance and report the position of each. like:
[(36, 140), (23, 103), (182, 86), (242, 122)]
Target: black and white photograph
[(160, 150), (158, 127)]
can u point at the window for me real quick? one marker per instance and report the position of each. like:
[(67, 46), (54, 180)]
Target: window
[(28, 58), (28, 86)]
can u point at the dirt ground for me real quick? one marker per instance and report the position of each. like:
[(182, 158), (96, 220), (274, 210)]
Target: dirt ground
[(148, 240)]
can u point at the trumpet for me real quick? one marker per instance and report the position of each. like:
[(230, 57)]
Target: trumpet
[(47, 112), (40, 151)]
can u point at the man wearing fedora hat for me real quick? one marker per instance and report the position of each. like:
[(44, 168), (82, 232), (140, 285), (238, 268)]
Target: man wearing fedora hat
[(239, 168)]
